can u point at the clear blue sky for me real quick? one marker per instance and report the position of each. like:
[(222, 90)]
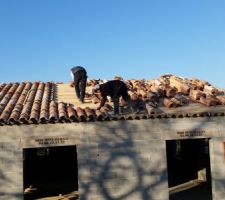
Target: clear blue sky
[(43, 39)]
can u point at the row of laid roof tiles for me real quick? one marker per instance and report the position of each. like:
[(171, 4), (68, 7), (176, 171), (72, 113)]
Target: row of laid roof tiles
[(36, 102), (23, 101), (66, 113)]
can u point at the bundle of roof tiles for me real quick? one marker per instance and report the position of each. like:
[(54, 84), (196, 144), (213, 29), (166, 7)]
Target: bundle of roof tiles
[(36, 102), (172, 91)]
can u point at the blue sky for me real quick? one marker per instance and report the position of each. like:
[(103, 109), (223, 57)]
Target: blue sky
[(43, 39)]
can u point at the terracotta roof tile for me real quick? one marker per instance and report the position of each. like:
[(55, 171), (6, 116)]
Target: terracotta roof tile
[(4, 90), (53, 111), (2, 85), (169, 103), (166, 97), (90, 113), (44, 111), (81, 114), (15, 114), (28, 103), (99, 115), (62, 110), (72, 113), (221, 99), (9, 100)]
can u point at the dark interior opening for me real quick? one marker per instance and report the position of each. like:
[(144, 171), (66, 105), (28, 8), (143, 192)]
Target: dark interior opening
[(49, 171), (188, 165)]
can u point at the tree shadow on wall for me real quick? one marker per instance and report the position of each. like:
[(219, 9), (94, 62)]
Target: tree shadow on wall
[(120, 163), (117, 165)]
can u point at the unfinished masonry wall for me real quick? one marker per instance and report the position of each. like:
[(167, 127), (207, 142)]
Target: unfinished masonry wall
[(11, 165), (217, 152), (116, 159), (122, 161)]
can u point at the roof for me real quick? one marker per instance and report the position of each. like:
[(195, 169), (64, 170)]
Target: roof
[(164, 97)]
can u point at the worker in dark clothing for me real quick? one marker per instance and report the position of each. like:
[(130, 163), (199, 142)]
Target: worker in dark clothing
[(115, 89), (79, 75)]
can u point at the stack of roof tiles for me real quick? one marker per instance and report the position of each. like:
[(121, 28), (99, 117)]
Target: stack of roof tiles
[(36, 102), (173, 91)]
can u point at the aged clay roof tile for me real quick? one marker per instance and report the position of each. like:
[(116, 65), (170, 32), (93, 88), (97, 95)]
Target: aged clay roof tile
[(28, 103), (81, 114), (72, 114), (53, 112)]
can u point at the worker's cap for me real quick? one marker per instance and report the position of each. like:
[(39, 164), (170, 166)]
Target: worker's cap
[(96, 87)]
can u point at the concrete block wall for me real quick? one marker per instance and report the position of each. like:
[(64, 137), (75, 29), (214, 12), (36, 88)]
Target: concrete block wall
[(122, 160), (11, 170), (217, 155), (116, 159), (131, 170)]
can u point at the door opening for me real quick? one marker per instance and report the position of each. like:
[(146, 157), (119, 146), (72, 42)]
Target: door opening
[(188, 167), (49, 171)]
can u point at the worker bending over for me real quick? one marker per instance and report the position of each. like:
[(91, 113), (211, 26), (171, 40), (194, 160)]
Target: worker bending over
[(114, 89)]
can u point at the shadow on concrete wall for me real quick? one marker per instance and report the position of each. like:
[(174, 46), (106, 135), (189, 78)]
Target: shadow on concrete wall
[(117, 165), (10, 170)]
